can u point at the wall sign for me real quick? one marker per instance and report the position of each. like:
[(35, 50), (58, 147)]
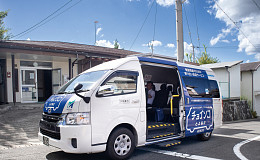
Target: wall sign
[(8, 74)]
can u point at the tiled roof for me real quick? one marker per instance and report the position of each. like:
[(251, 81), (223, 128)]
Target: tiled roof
[(249, 66), (65, 47)]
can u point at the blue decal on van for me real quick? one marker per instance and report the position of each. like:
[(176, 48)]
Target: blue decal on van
[(56, 103), (192, 72), (199, 118)]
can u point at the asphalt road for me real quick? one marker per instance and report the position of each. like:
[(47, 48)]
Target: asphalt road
[(19, 127)]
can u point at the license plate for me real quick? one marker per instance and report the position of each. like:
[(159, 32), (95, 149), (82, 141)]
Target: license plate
[(45, 141)]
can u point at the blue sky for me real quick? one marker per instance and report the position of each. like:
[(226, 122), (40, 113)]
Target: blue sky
[(122, 19)]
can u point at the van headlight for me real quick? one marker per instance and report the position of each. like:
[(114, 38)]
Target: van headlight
[(78, 118)]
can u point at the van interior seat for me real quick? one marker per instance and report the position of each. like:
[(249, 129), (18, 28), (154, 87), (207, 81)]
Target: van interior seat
[(161, 97)]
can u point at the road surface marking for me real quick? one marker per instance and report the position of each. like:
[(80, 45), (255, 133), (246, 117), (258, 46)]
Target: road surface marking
[(237, 147), (176, 154)]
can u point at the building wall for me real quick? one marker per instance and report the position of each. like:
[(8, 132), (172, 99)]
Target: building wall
[(235, 81), (9, 80), (256, 103), (222, 77), (64, 65), (246, 85)]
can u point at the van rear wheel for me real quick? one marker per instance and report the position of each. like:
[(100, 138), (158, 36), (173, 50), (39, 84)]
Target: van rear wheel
[(120, 144), (204, 136)]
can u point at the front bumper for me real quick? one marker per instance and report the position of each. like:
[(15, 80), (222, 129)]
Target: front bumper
[(82, 134)]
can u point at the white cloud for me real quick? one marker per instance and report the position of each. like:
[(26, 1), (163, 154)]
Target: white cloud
[(170, 45), (165, 3), (28, 39), (223, 34), (225, 41), (98, 30), (257, 56), (188, 48), (155, 43), (247, 61), (246, 16), (102, 35), (104, 43), (233, 40)]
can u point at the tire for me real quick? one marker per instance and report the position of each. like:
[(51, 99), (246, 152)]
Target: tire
[(121, 144), (204, 136)]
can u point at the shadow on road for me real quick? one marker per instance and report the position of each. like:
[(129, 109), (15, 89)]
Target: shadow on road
[(60, 155), (19, 127)]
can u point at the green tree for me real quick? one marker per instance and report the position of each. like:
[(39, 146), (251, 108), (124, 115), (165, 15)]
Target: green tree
[(205, 57), (116, 44), (3, 31)]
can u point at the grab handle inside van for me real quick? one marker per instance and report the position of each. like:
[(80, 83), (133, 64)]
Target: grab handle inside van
[(173, 96)]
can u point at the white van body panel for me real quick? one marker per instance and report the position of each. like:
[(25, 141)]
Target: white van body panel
[(217, 103), (109, 112)]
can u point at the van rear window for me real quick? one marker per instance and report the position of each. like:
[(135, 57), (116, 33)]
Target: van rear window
[(200, 87)]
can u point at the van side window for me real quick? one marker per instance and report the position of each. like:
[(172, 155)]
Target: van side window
[(123, 82), (199, 87), (214, 90)]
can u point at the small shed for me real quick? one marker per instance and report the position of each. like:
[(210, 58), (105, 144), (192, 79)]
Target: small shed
[(250, 86), (228, 76)]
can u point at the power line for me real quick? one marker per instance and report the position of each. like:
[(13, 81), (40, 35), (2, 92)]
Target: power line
[(50, 19), (155, 21), (256, 4), (187, 23), (42, 20), (196, 24), (142, 25), (235, 24), (155, 16)]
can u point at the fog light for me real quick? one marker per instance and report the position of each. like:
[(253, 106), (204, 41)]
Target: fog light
[(74, 142)]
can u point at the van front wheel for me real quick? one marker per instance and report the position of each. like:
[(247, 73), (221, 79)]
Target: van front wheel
[(204, 136), (120, 144)]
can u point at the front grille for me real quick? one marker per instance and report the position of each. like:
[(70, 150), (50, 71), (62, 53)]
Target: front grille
[(50, 134), (51, 118), (48, 125)]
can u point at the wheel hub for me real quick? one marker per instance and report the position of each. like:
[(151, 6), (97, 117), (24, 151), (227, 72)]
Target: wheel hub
[(122, 144)]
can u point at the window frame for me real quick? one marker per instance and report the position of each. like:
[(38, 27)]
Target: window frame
[(112, 75)]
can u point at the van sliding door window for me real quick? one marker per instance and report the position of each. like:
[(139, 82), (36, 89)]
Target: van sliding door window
[(199, 87), (123, 82)]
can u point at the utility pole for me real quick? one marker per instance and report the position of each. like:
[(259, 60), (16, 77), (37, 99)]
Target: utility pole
[(179, 30), (95, 32)]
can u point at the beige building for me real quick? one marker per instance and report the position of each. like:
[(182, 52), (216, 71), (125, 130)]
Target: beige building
[(31, 71), (250, 86), (228, 76)]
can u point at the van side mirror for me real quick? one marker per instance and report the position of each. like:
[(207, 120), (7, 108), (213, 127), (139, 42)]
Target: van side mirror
[(106, 89), (78, 87)]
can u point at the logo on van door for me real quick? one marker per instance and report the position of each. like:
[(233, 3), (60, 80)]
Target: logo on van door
[(199, 118)]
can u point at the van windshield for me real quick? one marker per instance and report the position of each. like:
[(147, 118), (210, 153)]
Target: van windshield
[(87, 80)]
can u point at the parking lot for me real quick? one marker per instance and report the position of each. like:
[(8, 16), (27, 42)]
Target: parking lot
[(235, 140)]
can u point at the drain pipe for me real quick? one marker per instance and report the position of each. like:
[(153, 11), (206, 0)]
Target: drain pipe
[(228, 81), (252, 72), (74, 62)]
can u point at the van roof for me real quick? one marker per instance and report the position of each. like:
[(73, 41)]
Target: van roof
[(118, 62)]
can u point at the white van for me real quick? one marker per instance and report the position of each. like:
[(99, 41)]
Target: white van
[(104, 108)]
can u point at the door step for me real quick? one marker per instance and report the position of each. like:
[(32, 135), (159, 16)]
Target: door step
[(160, 126), (169, 143), (160, 135)]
